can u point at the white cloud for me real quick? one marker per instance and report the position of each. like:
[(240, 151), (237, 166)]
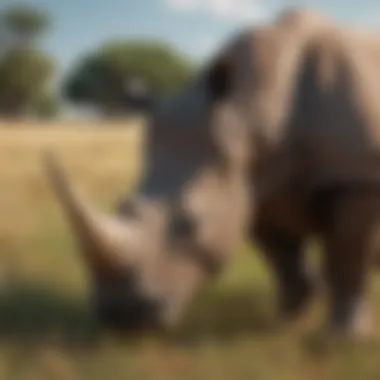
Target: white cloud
[(239, 10)]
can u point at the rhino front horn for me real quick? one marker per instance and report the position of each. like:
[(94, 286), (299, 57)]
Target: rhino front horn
[(102, 239)]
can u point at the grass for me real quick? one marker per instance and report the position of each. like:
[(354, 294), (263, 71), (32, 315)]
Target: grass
[(46, 329)]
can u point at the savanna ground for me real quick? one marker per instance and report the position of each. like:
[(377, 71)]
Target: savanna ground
[(46, 328)]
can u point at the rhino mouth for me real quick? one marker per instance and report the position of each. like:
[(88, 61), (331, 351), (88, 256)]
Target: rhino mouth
[(133, 315)]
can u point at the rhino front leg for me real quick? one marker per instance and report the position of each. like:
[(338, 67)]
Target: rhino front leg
[(348, 238), (286, 259)]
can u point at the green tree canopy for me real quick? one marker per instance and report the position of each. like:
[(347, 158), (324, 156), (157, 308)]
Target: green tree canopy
[(23, 75), (25, 69), (46, 105), (100, 76), (164, 68), (25, 22)]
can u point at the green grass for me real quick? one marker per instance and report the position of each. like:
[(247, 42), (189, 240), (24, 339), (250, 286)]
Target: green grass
[(47, 330)]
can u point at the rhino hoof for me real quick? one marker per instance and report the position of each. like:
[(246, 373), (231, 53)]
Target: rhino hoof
[(295, 302)]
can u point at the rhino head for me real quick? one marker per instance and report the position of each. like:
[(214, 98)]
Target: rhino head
[(190, 212)]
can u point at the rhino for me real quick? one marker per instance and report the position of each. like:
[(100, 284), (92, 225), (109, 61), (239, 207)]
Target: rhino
[(276, 140)]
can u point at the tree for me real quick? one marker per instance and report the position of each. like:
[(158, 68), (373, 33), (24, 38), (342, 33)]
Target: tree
[(24, 23), (104, 78), (92, 84), (23, 76), (47, 105), (25, 69)]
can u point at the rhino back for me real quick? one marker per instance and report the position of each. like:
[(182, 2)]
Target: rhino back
[(335, 126), (322, 120)]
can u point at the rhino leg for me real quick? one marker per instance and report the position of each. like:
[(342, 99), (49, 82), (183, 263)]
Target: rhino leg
[(348, 255), (285, 257)]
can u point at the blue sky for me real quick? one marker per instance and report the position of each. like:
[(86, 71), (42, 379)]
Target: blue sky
[(194, 26)]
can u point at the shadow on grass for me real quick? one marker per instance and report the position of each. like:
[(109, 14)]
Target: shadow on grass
[(227, 315), (29, 312)]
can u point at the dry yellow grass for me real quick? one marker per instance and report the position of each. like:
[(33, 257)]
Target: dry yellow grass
[(46, 330), (101, 160)]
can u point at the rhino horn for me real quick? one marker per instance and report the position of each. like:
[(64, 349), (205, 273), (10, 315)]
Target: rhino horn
[(102, 239)]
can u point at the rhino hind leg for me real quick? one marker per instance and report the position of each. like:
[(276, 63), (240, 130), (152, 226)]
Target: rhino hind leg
[(285, 257), (348, 236)]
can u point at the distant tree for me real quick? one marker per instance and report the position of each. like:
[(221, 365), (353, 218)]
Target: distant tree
[(92, 84), (164, 68), (107, 77), (25, 69), (23, 76), (25, 23), (46, 106)]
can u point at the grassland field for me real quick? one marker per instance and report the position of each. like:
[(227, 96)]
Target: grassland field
[(46, 328)]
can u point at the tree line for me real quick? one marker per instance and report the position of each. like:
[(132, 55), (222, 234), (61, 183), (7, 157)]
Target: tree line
[(99, 79)]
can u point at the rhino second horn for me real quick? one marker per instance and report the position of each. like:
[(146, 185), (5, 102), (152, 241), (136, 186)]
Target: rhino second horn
[(101, 238)]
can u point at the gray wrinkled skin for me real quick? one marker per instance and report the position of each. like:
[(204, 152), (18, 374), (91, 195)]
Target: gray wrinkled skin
[(275, 140), (189, 214)]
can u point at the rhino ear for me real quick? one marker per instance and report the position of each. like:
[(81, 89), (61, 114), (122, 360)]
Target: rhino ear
[(228, 125), (219, 80)]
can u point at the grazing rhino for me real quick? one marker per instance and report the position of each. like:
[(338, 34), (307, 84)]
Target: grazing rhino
[(277, 139)]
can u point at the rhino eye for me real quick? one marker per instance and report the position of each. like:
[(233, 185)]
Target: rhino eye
[(183, 227), (129, 208)]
